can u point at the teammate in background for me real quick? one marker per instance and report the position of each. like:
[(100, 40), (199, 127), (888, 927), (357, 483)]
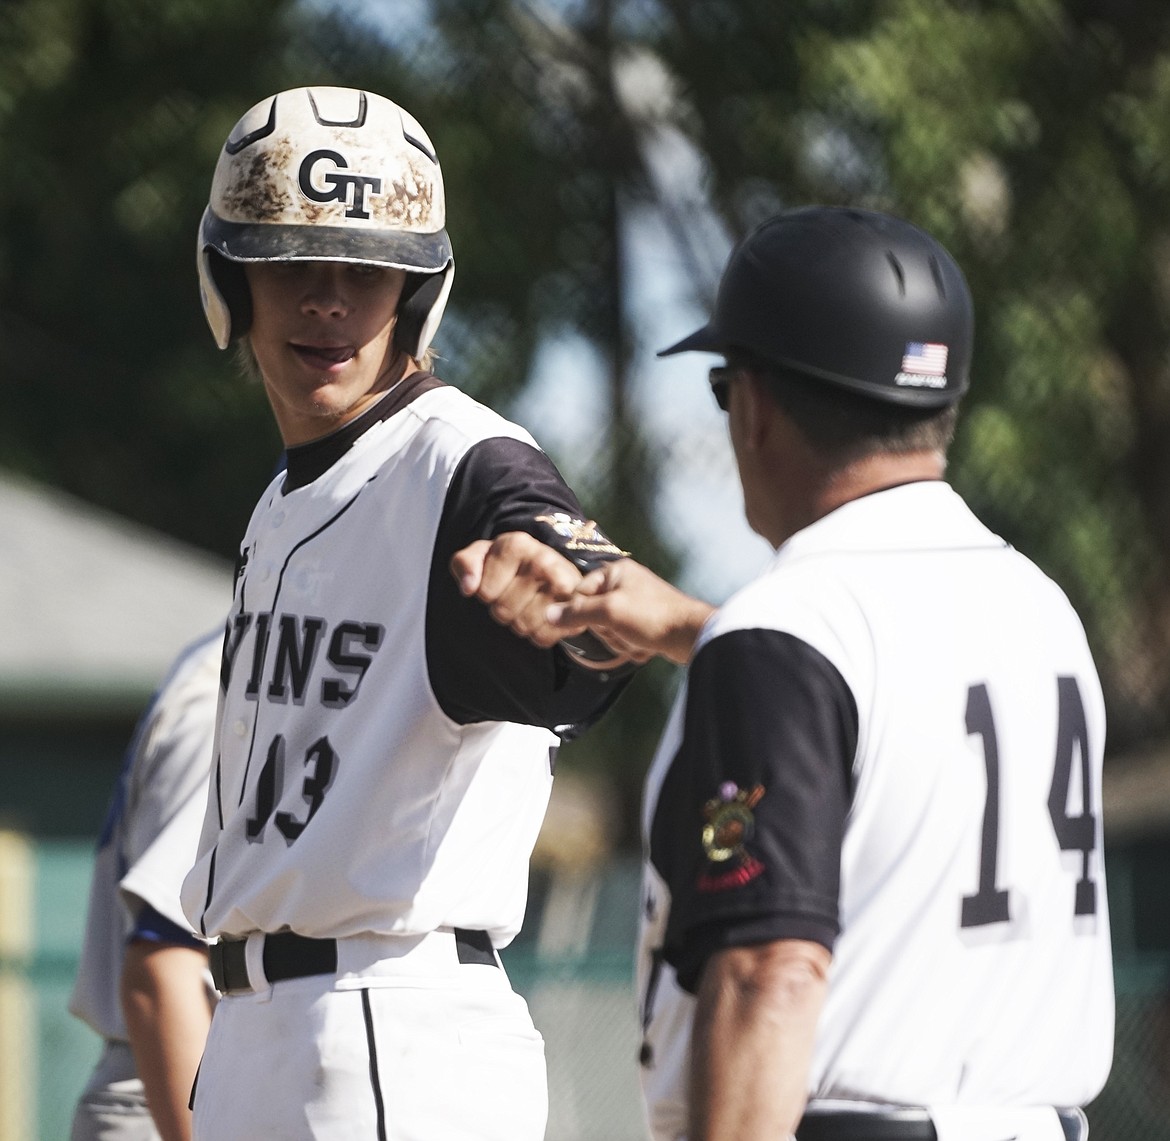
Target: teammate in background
[(384, 749), (143, 983), (874, 898)]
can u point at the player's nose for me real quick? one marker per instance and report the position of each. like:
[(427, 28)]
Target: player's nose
[(324, 291)]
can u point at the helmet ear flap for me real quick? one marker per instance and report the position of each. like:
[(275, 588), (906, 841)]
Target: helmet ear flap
[(223, 289), (232, 284), (420, 309)]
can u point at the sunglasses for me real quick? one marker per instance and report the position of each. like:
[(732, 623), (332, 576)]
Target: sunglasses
[(720, 380)]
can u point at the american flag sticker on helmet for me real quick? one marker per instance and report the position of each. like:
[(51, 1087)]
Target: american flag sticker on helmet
[(925, 359)]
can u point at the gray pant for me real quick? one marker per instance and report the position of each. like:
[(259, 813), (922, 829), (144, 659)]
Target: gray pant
[(112, 1107)]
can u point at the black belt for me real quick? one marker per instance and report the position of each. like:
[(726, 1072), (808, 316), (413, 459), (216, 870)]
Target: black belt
[(895, 1125), (288, 955)]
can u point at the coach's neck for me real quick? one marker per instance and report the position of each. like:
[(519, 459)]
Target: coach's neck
[(789, 483)]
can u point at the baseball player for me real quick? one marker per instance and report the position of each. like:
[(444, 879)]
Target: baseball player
[(384, 749), (143, 982), (875, 900)]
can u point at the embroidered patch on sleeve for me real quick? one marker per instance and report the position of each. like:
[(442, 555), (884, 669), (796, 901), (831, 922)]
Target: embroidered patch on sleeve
[(729, 824), (580, 535)]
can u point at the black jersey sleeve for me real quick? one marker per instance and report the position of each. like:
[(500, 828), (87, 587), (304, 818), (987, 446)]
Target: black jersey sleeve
[(478, 669), (749, 821)]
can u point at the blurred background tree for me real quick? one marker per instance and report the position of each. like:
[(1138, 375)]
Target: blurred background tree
[(1031, 138), (112, 113), (1030, 135)]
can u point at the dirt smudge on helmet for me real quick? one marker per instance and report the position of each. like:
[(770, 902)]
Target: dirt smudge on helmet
[(257, 193), (409, 201)]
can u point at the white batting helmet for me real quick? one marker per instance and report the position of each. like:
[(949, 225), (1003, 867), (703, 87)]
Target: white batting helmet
[(327, 174)]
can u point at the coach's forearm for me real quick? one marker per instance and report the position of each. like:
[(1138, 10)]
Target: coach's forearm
[(755, 1022), (165, 1004)]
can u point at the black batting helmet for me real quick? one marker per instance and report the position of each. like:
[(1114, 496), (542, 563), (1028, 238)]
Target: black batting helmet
[(852, 297)]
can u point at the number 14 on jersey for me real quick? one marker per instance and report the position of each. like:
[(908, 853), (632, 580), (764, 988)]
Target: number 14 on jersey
[(1076, 833)]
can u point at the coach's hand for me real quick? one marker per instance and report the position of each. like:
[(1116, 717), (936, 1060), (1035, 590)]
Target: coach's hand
[(633, 611), (518, 577)]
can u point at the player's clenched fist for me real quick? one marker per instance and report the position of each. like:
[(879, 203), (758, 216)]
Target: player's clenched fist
[(517, 577)]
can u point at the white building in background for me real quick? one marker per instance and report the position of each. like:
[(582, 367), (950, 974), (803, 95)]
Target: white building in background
[(93, 608)]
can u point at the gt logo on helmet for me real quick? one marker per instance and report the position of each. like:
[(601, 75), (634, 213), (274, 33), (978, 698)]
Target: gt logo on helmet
[(348, 188)]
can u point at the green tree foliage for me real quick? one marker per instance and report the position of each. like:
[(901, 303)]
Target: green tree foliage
[(1031, 136), (543, 167), (112, 113)]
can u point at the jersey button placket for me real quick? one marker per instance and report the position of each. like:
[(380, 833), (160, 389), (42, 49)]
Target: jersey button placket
[(274, 522)]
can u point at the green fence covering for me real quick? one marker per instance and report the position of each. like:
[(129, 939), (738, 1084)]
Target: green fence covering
[(573, 963)]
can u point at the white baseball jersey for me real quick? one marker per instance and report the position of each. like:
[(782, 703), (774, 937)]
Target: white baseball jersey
[(890, 743), (384, 748), (151, 832)]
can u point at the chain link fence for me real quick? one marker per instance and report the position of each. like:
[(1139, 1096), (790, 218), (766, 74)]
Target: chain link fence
[(573, 963), (1047, 449), (1135, 1104)]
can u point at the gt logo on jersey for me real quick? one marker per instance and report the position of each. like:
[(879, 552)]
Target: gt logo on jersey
[(338, 187)]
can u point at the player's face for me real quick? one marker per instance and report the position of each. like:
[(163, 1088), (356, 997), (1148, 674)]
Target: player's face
[(323, 336)]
